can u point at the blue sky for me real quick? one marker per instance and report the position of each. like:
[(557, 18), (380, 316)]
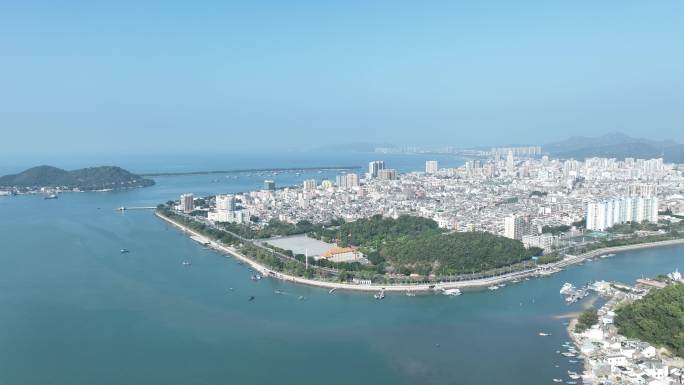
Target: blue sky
[(168, 76)]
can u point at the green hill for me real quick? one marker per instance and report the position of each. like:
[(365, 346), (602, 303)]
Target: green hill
[(657, 318), (616, 145), (91, 178)]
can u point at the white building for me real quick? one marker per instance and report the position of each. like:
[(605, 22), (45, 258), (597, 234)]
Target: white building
[(431, 166), (515, 226), (186, 203), (326, 184), (309, 184), (347, 181), (543, 241), (225, 203), (374, 168), (607, 213)]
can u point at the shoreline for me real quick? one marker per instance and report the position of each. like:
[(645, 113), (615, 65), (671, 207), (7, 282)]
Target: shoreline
[(422, 287)]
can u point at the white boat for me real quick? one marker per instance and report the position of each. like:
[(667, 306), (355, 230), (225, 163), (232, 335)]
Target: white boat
[(567, 288), (544, 334), (186, 263), (557, 380), (567, 354), (493, 287), (452, 292), (332, 290), (410, 294), (379, 295)]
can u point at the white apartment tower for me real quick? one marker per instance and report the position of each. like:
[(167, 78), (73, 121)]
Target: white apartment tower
[(347, 181), (310, 184), (225, 203), (607, 213), (374, 168), (515, 227), (431, 166)]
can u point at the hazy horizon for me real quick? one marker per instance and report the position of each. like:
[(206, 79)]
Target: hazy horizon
[(124, 77)]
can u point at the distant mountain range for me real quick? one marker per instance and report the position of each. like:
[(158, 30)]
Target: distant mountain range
[(616, 145), (86, 179)]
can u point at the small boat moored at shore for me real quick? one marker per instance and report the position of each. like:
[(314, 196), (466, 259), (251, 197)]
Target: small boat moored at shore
[(452, 292), (380, 295), (493, 287)]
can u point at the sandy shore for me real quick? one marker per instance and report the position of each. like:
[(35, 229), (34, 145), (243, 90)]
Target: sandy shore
[(474, 283)]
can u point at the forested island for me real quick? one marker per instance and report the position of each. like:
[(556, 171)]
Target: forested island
[(85, 179), (657, 318)]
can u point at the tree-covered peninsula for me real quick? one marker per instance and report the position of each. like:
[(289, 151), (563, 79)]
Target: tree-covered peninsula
[(657, 318), (85, 179), (401, 246)]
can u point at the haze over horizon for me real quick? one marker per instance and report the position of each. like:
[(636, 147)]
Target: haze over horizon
[(173, 77)]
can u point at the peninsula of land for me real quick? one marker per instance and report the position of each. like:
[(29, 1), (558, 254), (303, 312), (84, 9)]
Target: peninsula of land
[(489, 279)]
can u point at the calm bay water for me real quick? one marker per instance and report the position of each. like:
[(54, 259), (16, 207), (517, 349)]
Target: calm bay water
[(76, 311)]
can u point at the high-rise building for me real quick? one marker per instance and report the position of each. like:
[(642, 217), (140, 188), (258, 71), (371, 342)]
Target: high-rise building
[(643, 190), (387, 174), (515, 226), (187, 203), (225, 203), (347, 181), (310, 184), (431, 166), (374, 168), (607, 213), (269, 185), (510, 162)]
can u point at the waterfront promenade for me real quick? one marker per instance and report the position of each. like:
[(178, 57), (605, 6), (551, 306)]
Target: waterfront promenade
[(544, 270)]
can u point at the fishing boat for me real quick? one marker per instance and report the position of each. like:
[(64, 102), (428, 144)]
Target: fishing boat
[(332, 290), (380, 294), (452, 292)]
